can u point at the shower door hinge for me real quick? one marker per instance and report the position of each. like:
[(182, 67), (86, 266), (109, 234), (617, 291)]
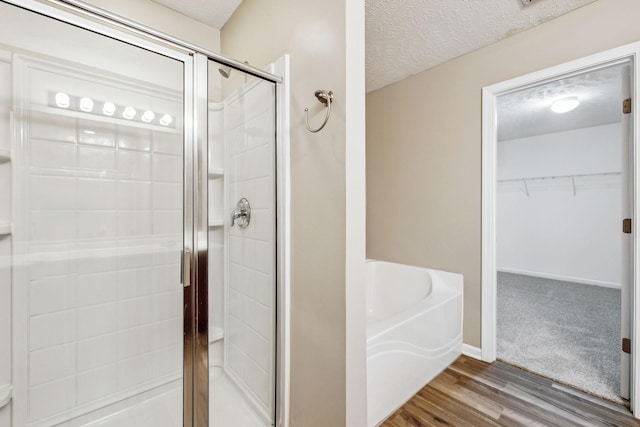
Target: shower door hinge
[(626, 106), (626, 345), (626, 225)]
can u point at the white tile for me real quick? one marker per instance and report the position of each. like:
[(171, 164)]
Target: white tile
[(168, 361), (167, 332), (264, 287), (262, 353), (264, 193), (263, 323), (262, 161), (168, 250), (142, 257), (97, 224), (167, 222), (167, 278), (51, 294), (96, 262), (96, 133), (55, 265), (52, 128), (262, 386), (47, 330), (135, 371), (52, 398), (52, 363), (50, 192), (167, 168), (97, 320), (97, 383), (167, 143), (97, 288), (97, 351), (135, 341), (131, 138), (167, 196), (52, 155), (134, 223), (134, 165), (134, 195), (135, 283), (263, 224), (264, 256), (53, 226), (96, 194), (96, 159), (168, 305), (134, 312)]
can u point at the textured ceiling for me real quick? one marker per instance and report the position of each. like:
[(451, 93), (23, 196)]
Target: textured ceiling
[(527, 112), (211, 12), (406, 37)]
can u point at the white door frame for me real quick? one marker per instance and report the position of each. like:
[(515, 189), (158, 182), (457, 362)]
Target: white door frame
[(489, 167)]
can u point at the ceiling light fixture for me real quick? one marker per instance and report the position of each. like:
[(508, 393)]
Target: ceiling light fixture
[(166, 120), (129, 113), (148, 116), (62, 100), (86, 104), (109, 108), (564, 105)]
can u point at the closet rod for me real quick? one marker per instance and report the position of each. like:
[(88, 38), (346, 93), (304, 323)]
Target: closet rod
[(541, 178)]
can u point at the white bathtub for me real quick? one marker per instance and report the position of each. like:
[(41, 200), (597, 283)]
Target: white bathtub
[(414, 331)]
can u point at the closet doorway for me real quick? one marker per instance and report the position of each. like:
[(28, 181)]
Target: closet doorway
[(557, 246), (559, 242)]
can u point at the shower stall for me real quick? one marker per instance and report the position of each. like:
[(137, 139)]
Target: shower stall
[(139, 280)]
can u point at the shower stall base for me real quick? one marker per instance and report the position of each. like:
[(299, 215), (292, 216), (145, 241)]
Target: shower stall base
[(159, 407), (228, 404)]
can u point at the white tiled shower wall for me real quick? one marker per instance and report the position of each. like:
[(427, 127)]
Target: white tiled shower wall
[(250, 145), (102, 217)]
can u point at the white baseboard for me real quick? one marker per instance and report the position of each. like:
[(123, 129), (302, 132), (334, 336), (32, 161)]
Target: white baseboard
[(471, 351), (561, 277)]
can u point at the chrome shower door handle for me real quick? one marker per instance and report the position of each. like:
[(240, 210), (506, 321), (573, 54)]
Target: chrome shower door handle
[(241, 214), (185, 267)]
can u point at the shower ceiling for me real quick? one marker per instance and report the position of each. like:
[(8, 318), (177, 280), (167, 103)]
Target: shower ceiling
[(406, 37)]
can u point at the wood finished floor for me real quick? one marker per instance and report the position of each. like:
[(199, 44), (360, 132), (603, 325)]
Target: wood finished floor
[(471, 393)]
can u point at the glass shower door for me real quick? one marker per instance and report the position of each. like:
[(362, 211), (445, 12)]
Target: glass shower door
[(91, 227), (242, 248)]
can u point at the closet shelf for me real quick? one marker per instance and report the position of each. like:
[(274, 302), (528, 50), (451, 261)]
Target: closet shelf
[(102, 119), (216, 173), (5, 156), (542, 178), (5, 229), (554, 177), (6, 391), (216, 334)]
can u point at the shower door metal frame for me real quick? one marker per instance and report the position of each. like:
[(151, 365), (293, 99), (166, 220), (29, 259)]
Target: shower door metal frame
[(195, 174)]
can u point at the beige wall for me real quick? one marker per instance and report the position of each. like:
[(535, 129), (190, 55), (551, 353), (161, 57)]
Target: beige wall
[(424, 141), (313, 33)]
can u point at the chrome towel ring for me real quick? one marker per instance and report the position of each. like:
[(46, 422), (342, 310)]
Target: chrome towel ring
[(326, 97)]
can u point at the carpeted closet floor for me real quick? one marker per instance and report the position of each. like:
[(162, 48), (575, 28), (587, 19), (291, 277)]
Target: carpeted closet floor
[(564, 331)]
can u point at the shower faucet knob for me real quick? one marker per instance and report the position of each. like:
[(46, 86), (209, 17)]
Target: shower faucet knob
[(241, 214)]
